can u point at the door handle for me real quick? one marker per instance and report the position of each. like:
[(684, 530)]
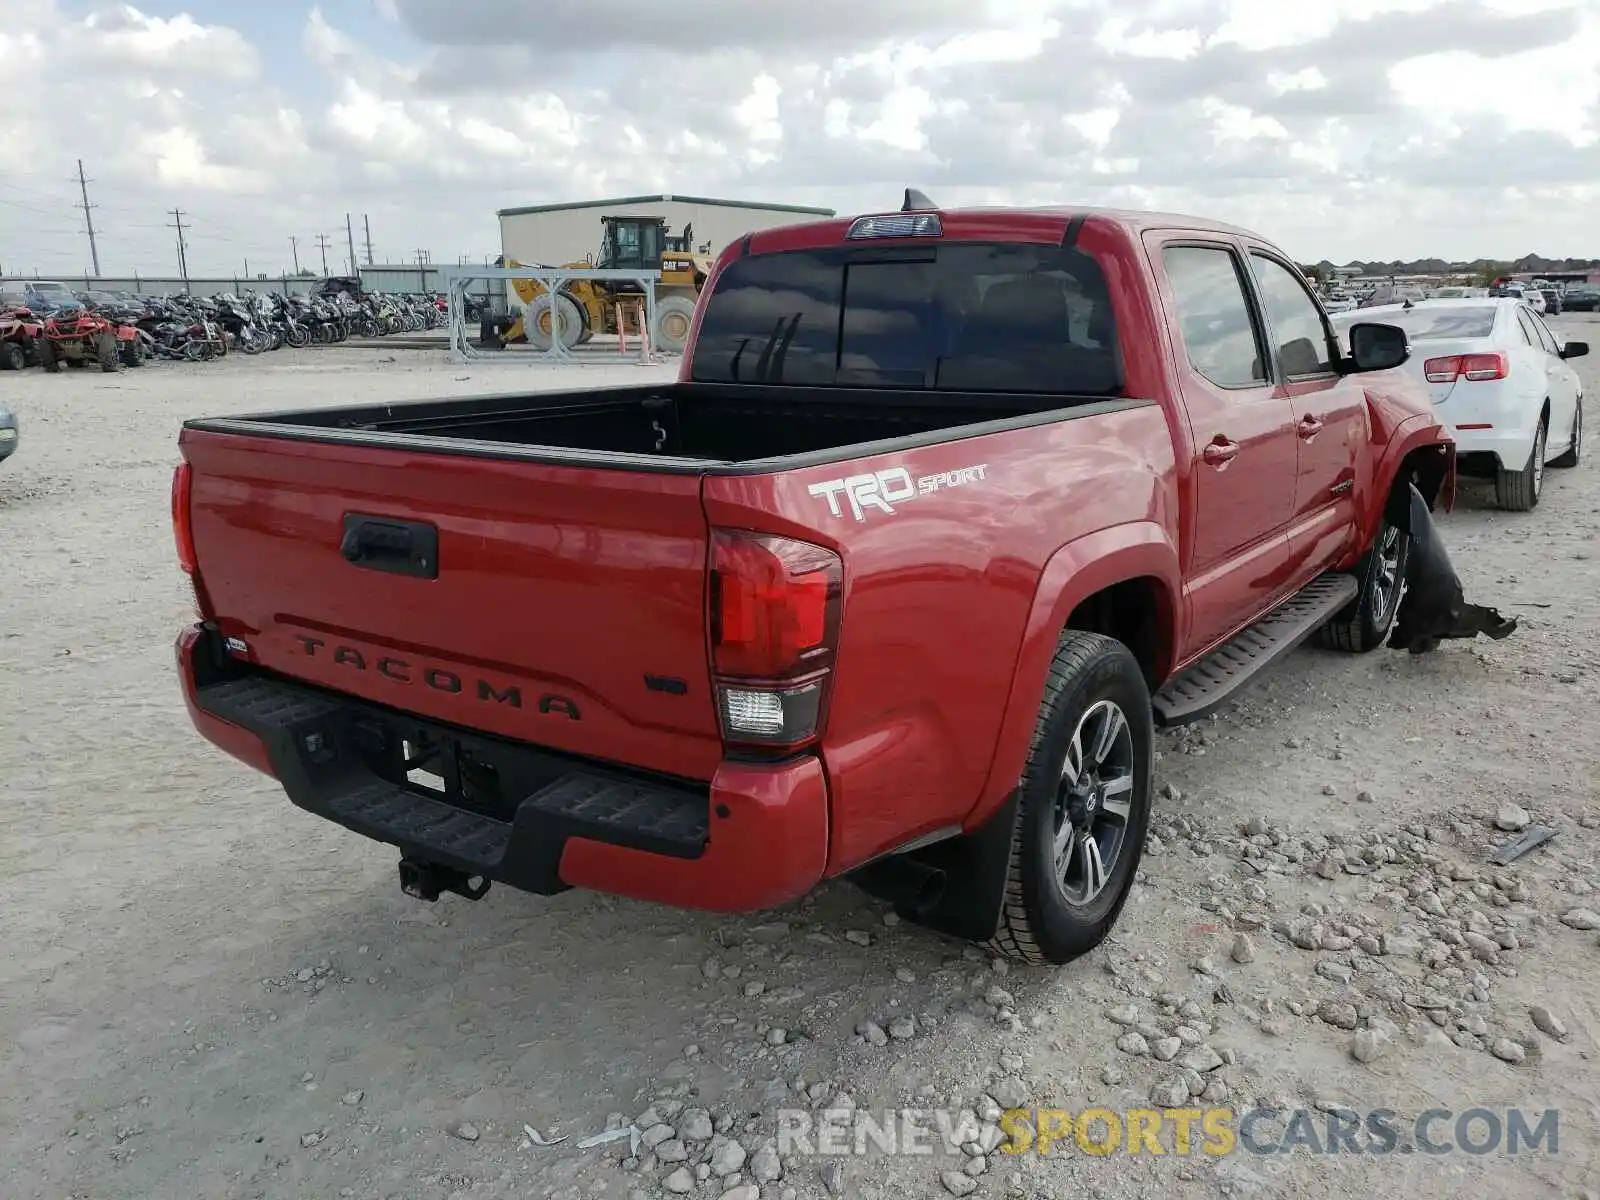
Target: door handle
[(1309, 427), (389, 544), (1220, 451)]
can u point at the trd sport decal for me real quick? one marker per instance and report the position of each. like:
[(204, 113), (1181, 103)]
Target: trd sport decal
[(882, 490)]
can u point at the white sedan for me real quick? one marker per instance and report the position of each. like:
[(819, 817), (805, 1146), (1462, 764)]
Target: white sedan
[(1500, 380)]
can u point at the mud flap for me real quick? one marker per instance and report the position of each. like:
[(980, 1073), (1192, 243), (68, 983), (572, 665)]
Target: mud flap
[(954, 887), (1434, 606)]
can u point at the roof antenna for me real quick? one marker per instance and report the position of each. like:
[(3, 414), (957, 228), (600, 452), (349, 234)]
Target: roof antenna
[(915, 200)]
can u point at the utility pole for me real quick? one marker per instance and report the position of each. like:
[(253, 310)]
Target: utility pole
[(88, 220), (294, 248), (322, 244), (350, 240), (183, 249), (366, 224)]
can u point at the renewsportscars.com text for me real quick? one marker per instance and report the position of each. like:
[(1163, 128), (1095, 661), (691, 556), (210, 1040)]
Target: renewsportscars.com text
[(1211, 1131)]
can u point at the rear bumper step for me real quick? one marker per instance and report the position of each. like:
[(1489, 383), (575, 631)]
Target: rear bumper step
[(1202, 688), (506, 811)]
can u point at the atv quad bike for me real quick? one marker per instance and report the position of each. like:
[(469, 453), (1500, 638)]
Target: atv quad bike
[(19, 337), (80, 336)]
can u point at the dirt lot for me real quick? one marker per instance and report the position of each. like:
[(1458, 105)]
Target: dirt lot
[(208, 993)]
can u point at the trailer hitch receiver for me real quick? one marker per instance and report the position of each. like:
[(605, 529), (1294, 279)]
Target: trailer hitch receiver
[(427, 881)]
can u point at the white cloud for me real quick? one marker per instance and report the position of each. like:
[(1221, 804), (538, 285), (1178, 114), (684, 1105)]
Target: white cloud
[(122, 36), (1370, 128)]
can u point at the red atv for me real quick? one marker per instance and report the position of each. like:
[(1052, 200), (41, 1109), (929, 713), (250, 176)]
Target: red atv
[(20, 331), (80, 336)]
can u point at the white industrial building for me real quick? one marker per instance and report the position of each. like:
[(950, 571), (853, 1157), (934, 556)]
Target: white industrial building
[(551, 234)]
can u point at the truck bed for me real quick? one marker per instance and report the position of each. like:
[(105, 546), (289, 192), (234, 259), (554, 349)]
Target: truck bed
[(682, 426)]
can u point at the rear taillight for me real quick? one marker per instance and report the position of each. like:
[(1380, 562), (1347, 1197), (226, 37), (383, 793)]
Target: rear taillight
[(774, 614), (1475, 367), (182, 530), (183, 536)]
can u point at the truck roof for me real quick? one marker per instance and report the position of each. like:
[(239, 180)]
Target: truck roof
[(1032, 223)]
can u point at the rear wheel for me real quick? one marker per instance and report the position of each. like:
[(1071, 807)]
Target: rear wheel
[(107, 353), (537, 321), (1084, 804), (1364, 624), (1518, 491), (12, 356), (674, 315), (1575, 450), (49, 355)]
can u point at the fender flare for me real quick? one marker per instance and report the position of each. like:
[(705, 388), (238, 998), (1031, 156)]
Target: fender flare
[(1075, 572), (1401, 446)]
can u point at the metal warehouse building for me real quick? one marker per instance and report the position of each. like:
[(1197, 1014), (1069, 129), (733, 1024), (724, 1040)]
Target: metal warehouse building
[(551, 234)]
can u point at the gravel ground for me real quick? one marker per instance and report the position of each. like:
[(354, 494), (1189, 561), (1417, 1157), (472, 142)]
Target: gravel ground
[(208, 993)]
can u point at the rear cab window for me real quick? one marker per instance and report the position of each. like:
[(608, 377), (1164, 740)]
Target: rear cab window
[(959, 316)]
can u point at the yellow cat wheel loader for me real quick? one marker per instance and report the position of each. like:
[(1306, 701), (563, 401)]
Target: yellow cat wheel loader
[(589, 306)]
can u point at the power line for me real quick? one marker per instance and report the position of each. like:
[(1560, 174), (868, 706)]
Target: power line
[(366, 224), (88, 219), (322, 244), (183, 249)]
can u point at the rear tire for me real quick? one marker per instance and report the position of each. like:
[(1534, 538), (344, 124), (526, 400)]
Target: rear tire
[(1518, 491), (12, 356), (1364, 623), (107, 353), (1574, 453), (674, 316), (1096, 708), (537, 321)]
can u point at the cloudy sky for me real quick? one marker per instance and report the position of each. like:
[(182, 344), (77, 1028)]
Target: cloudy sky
[(1340, 128)]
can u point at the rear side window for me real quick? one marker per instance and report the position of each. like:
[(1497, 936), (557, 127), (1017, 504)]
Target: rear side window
[(1303, 344), (1208, 297), (955, 317), (1546, 338)]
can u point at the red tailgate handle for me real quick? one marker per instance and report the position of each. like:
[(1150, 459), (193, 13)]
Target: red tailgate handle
[(1220, 451)]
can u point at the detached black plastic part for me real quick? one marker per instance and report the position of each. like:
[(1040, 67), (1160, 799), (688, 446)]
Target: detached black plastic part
[(1434, 606)]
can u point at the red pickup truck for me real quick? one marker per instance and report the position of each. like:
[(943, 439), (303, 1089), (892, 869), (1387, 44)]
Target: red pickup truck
[(945, 511)]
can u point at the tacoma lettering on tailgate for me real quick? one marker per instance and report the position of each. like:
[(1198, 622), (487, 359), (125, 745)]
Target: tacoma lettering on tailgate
[(439, 679)]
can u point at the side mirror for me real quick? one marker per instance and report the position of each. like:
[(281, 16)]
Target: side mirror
[(1574, 349), (1376, 347)]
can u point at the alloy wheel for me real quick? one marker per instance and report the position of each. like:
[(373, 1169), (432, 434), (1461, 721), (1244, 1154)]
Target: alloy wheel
[(1093, 803)]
